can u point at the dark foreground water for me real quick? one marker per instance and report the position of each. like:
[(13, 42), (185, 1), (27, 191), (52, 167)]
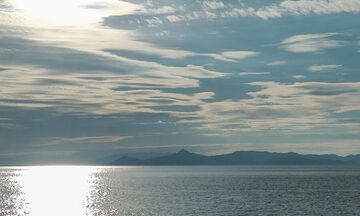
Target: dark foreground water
[(187, 190)]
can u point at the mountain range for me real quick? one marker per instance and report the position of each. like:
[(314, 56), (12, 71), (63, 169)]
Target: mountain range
[(185, 157)]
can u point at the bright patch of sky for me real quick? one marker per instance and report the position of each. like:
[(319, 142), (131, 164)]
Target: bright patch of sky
[(97, 77)]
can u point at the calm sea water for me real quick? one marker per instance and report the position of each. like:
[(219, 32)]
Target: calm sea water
[(186, 190)]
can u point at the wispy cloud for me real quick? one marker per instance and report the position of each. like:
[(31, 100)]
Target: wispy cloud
[(84, 66), (163, 33), (94, 139), (212, 10), (311, 43), (7, 123), (323, 67), (239, 54), (276, 63), (81, 140), (273, 11), (161, 10), (296, 8), (98, 40), (174, 18), (153, 22), (299, 76), (49, 153), (101, 93), (253, 73), (169, 146), (213, 4), (294, 107)]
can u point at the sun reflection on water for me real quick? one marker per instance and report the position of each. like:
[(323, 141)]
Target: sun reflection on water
[(56, 190)]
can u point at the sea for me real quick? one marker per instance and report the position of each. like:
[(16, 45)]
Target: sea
[(179, 190)]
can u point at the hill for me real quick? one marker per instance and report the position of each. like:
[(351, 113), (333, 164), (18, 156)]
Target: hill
[(185, 157)]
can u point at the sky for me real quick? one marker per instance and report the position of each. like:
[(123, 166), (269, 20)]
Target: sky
[(84, 79)]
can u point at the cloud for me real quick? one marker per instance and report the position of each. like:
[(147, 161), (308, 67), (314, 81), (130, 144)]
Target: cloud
[(305, 7), (238, 12), (161, 10), (7, 123), (230, 56), (106, 74), (323, 67), (311, 43), (298, 107), (175, 18), (253, 73), (54, 153), (299, 76), (102, 93), (78, 13), (210, 15), (276, 63), (97, 40), (94, 139), (100, 42), (215, 9), (213, 5), (239, 54), (168, 146), (52, 141), (153, 22), (163, 33), (296, 8)]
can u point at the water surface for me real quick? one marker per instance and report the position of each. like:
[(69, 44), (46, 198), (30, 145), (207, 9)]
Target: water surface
[(184, 190)]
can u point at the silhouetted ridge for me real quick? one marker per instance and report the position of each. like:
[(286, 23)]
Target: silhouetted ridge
[(183, 152), (184, 157)]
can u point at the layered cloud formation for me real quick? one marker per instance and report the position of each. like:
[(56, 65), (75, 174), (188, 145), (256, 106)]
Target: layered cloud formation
[(84, 78)]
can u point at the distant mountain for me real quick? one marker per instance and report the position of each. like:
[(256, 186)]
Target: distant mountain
[(184, 157), (126, 160), (146, 155), (109, 159)]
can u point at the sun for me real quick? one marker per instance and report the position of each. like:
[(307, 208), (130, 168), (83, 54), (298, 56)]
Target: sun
[(70, 12), (57, 12)]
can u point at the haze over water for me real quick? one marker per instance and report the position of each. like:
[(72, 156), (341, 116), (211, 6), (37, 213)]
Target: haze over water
[(186, 190)]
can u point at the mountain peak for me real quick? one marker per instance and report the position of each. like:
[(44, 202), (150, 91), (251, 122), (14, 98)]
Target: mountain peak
[(183, 151), (184, 157)]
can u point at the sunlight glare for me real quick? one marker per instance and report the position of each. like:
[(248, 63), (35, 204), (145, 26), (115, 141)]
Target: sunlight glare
[(70, 12), (56, 191)]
